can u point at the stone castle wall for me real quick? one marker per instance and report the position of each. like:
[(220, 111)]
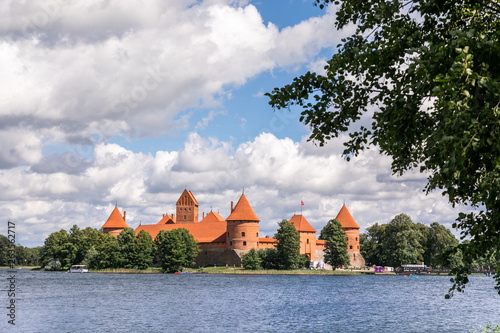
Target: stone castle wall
[(220, 257)]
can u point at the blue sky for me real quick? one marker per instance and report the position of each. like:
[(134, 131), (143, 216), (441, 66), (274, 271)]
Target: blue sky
[(132, 102)]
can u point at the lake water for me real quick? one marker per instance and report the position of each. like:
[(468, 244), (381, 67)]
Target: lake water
[(63, 302)]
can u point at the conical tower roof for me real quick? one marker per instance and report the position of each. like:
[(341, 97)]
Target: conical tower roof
[(345, 218), (301, 224), (115, 220), (243, 211)]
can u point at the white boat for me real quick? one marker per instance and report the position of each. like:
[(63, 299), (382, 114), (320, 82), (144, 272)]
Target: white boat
[(78, 269)]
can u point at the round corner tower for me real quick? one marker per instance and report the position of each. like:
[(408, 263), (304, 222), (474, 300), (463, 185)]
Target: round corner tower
[(351, 229), (242, 227)]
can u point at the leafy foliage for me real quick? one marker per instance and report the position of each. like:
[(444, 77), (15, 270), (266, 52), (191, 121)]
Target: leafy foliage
[(108, 253), (129, 252), (23, 255), (251, 260), (96, 250), (336, 244), (288, 246), (146, 250), (440, 241), (177, 249), (370, 244), (58, 248), (429, 71), (403, 242), (268, 258)]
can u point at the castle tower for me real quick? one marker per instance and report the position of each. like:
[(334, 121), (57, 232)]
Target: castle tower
[(242, 226), (187, 208), (307, 235), (115, 223), (351, 229)]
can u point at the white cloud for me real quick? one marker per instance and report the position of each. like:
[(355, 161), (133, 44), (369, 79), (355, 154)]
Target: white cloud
[(129, 68), (275, 173), (206, 120), (77, 73)]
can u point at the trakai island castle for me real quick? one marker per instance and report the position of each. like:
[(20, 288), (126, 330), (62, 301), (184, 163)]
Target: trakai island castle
[(225, 241)]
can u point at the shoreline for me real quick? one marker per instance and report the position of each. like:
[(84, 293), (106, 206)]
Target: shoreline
[(241, 271)]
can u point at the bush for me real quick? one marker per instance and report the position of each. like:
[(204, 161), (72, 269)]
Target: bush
[(251, 260)]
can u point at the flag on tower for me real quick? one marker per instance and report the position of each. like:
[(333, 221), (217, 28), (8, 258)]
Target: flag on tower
[(302, 203)]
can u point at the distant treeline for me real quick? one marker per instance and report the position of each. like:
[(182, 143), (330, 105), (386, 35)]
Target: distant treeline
[(403, 242), (25, 256)]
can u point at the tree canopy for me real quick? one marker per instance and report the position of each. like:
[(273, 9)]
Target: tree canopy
[(288, 246), (336, 244), (426, 72), (251, 260), (177, 248), (95, 249), (403, 242)]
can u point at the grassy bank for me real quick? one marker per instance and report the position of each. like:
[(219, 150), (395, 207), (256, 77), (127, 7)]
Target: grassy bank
[(238, 270), (223, 270), (231, 270), (150, 270)]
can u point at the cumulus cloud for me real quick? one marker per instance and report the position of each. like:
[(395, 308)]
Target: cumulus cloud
[(77, 68), (276, 175), (77, 73)]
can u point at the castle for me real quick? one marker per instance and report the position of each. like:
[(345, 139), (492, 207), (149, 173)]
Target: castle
[(225, 241)]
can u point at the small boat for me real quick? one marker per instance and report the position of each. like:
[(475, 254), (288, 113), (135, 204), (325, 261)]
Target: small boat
[(78, 269), (411, 275)]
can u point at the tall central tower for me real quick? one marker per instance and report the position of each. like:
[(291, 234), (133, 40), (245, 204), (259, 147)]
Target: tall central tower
[(187, 208)]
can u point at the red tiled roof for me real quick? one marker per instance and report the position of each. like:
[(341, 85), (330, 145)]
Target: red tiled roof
[(213, 217), (202, 232), (267, 240), (345, 218), (243, 211), (301, 223), (115, 220), (167, 219)]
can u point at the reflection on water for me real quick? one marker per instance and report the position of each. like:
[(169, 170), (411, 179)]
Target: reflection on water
[(62, 302)]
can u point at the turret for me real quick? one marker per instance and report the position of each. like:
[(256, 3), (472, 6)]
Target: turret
[(351, 229), (115, 223), (242, 226), (307, 235)]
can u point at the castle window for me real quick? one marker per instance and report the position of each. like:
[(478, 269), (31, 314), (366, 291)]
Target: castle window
[(358, 247), (244, 243), (308, 241), (350, 247), (231, 243), (228, 234), (184, 217), (356, 239), (257, 234), (243, 234)]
